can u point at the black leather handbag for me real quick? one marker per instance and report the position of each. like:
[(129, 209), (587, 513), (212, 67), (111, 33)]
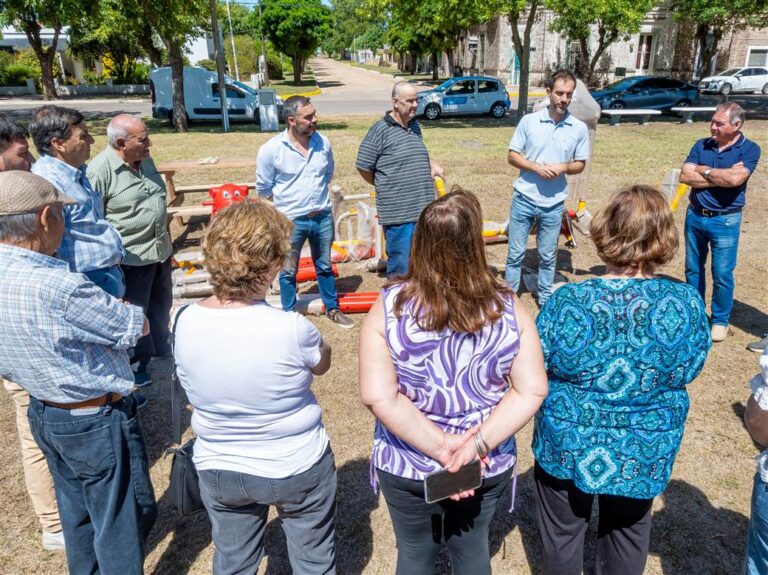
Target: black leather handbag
[(183, 488)]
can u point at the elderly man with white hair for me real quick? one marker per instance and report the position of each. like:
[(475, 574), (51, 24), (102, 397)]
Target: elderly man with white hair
[(135, 204)]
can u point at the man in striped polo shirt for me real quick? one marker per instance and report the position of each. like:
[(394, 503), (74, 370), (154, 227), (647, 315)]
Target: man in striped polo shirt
[(393, 158)]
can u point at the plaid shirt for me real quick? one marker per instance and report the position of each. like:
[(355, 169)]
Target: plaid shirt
[(90, 242), (62, 338)]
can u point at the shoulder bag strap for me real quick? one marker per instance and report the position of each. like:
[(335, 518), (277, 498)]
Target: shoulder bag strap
[(176, 402)]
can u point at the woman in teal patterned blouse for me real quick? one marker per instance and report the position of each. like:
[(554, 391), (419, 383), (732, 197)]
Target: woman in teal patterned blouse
[(620, 350)]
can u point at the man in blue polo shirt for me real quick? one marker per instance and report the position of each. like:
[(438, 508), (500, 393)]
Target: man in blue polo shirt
[(294, 169), (545, 147), (717, 169)]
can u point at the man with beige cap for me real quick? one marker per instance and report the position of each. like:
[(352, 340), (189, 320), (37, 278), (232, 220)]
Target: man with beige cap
[(64, 340), (14, 155)]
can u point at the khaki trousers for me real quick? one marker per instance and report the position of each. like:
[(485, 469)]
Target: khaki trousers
[(36, 474)]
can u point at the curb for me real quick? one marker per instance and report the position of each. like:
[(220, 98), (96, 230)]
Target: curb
[(315, 92)]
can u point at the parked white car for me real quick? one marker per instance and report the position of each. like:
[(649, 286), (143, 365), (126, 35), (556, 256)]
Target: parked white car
[(749, 79), (201, 96)]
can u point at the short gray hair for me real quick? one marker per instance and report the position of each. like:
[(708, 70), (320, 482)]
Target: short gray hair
[(292, 104), (398, 88), (115, 133), (735, 112), (17, 227)]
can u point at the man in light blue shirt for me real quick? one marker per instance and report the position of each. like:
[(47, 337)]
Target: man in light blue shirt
[(294, 169), (545, 147), (90, 244)]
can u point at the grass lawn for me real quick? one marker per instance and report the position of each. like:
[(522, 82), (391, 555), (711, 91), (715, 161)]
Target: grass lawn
[(699, 523), (421, 78), (286, 87)]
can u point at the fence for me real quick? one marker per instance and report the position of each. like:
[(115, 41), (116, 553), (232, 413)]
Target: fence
[(83, 90)]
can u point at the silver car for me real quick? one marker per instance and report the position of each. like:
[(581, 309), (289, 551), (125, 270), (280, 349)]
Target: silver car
[(465, 95), (749, 79)]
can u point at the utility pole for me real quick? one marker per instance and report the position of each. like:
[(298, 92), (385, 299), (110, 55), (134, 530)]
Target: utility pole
[(219, 56), (263, 46), (232, 39)]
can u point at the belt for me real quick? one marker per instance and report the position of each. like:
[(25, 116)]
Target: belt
[(711, 213), (106, 399)]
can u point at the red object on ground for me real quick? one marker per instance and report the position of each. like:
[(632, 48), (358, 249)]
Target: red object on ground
[(225, 195), (306, 271), (357, 302)]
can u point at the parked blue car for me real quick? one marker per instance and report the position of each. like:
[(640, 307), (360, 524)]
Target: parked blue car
[(651, 92), (465, 95)]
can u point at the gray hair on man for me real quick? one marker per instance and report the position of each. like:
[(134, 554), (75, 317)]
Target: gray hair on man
[(397, 89), (16, 228), (292, 104), (118, 128), (736, 113)]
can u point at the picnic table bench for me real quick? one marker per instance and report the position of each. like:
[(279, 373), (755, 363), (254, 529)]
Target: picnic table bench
[(644, 115), (176, 193), (687, 112)]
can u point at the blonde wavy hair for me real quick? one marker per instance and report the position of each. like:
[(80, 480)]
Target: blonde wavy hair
[(636, 230), (242, 245)]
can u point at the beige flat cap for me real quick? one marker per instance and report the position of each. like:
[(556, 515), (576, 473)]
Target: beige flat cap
[(24, 192)]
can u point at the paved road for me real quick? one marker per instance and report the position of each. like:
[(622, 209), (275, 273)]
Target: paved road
[(350, 91), (90, 108)]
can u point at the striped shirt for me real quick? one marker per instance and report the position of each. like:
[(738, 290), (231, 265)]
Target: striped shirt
[(90, 242), (62, 338), (400, 163), (135, 203)]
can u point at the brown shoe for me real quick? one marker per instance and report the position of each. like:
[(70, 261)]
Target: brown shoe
[(719, 332)]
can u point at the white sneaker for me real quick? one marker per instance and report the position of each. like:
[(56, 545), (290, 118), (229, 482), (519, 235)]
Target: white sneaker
[(719, 332), (53, 541)]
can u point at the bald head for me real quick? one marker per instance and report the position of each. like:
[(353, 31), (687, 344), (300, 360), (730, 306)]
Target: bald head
[(404, 102), (129, 137)]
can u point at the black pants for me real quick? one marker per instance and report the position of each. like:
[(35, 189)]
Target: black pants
[(151, 287), (422, 528), (563, 512)]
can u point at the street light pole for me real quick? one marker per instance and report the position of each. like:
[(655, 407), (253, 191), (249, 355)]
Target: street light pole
[(219, 56), (232, 39), (263, 45)]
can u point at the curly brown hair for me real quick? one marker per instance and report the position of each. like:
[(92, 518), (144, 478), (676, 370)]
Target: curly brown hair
[(242, 245), (448, 280), (636, 230)]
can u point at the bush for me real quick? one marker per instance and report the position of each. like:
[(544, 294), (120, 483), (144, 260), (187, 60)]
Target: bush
[(92, 78), (16, 74), (140, 74)]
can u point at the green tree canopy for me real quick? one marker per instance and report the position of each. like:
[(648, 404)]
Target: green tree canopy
[(296, 29)]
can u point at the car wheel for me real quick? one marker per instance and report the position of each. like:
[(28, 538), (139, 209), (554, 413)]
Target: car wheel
[(765, 89), (726, 89), (498, 110), (432, 112), (684, 103), (617, 105)]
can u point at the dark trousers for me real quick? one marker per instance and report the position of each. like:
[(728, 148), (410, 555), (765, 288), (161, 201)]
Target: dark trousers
[(422, 528), (151, 287), (563, 512)]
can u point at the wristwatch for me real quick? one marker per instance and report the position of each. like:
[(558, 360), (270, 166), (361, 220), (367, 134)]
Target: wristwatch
[(707, 172)]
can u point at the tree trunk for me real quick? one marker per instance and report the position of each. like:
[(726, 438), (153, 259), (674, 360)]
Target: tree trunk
[(523, 51), (296, 63), (180, 119), (145, 41), (706, 53), (583, 70), (449, 52), (434, 65), (411, 64), (44, 55)]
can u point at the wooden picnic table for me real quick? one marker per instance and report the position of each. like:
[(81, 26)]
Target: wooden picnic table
[(176, 193), (687, 112)]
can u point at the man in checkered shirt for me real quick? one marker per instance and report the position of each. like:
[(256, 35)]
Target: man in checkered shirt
[(64, 340)]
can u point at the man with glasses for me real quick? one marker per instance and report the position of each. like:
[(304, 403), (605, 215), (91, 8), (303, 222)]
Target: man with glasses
[(394, 159)]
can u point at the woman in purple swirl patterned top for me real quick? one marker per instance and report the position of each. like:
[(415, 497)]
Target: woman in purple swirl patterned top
[(451, 366)]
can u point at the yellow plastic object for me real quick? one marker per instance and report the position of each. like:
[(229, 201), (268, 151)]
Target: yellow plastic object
[(440, 186), (582, 206), (491, 229), (682, 190)]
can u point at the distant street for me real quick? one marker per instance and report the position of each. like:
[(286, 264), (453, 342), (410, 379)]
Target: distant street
[(350, 91), (21, 108)]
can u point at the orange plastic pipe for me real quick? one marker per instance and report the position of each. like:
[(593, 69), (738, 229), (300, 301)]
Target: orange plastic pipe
[(357, 302), (308, 274)]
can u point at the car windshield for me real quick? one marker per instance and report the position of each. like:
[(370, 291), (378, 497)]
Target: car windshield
[(445, 85), (731, 72), (243, 87), (623, 84)]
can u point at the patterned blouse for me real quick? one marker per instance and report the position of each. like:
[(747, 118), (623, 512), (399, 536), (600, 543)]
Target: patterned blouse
[(619, 353), (455, 379)]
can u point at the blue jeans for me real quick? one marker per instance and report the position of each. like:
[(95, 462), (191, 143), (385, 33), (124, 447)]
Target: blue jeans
[(522, 215), (238, 505), (721, 235), (757, 533), (101, 475), (111, 280), (318, 229), (398, 245), (422, 528)]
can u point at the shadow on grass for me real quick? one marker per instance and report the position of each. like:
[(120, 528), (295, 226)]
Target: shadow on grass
[(214, 127), (458, 122)]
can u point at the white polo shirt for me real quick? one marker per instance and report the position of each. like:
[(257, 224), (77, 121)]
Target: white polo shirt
[(538, 139)]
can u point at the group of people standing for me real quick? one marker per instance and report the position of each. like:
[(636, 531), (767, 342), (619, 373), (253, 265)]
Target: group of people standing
[(451, 363)]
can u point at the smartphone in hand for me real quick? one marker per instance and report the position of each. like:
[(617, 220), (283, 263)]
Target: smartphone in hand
[(442, 484)]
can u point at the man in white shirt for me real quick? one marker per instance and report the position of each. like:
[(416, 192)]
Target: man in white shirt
[(294, 169)]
